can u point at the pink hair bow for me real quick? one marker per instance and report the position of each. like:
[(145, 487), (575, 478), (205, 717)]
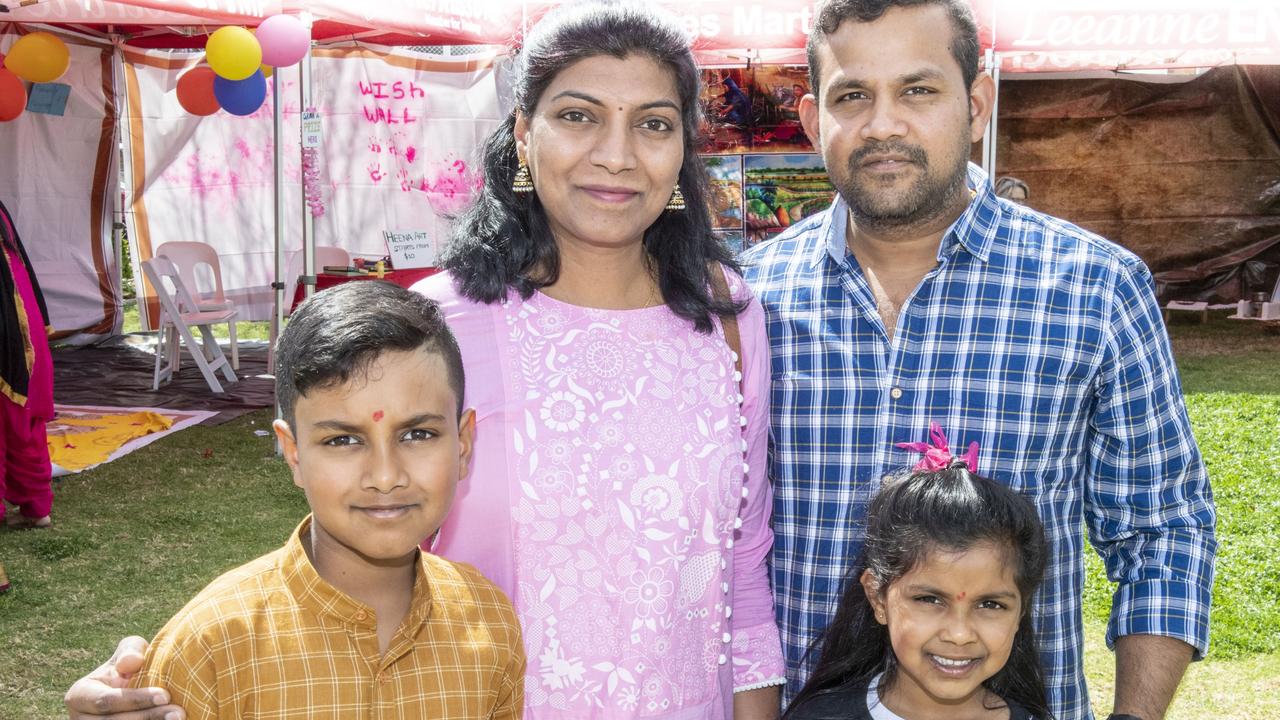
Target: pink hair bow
[(937, 456)]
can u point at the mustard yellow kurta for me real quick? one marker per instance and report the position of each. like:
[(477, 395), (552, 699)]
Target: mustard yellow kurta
[(272, 639)]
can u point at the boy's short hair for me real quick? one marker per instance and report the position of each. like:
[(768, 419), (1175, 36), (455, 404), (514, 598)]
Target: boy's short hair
[(339, 332)]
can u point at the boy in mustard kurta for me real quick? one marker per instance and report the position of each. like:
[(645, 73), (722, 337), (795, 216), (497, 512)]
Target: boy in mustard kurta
[(349, 619)]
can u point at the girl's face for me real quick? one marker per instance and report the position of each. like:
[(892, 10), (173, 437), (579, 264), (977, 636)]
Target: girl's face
[(604, 145), (951, 621)]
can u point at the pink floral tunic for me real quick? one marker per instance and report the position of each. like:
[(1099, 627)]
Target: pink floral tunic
[(618, 495)]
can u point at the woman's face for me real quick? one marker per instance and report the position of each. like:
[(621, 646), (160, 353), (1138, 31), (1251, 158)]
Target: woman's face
[(604, 145)]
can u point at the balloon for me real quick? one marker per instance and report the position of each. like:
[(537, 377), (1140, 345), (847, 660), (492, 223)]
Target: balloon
[(233, 52), (195, 91), (241, 97), (38, 57), (266, 71), (284, 40), (13, 96)]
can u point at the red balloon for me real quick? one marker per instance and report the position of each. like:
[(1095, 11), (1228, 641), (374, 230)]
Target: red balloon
[(13, 96), (195, 91)]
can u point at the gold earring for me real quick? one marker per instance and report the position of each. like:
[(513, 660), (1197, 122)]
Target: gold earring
[(676, 203), (522, 183)]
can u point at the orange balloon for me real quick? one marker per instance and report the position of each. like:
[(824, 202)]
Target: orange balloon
[(195, 91), (13, 96)]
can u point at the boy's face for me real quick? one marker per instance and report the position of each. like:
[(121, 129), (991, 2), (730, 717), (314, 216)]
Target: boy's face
[(379, 456)]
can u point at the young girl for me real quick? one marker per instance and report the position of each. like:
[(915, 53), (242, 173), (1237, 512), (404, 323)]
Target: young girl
[(936, 619)]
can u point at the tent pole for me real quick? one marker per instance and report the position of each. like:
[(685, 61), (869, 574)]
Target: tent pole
[(993, 127), (277, 285), (308, 222)]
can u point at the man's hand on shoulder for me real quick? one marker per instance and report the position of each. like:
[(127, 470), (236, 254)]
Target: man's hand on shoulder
[(105, 692)]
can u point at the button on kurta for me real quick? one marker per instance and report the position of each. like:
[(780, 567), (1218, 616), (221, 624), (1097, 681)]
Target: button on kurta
[(895, 393)]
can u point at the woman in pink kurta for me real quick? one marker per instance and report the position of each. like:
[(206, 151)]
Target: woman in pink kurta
[(618, 491), (618, 495)]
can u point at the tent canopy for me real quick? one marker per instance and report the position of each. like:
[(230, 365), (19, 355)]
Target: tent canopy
[(1029, 35)]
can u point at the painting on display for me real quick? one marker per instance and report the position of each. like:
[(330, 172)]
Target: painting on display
[(726, 189), (755, 109), (782, 190)]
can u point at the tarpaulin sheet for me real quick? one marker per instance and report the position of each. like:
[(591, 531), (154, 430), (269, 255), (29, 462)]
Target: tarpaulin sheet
[(1179, 173)]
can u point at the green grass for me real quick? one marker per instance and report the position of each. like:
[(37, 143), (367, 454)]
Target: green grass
[(244, 330), (134, 539)]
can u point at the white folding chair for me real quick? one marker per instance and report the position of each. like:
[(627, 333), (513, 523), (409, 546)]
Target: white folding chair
[(179, 312), (201, 272)]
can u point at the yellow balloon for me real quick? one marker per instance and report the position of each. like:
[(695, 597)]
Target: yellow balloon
[(38, 57), (266, 71), (233, 52)]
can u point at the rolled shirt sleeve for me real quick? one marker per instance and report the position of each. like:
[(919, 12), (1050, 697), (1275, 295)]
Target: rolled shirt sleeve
[(1148, 504)]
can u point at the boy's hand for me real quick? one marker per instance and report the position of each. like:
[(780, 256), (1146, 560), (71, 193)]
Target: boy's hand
[(105, 692)]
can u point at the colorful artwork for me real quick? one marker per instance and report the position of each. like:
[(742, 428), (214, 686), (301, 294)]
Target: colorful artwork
[(727, 107), (776, 127), (782, 190), (755, 109), (726, 188)]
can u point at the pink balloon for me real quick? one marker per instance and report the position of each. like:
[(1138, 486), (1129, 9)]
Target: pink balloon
[(284, 40)]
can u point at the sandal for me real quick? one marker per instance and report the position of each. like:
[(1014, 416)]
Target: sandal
[(22, 522), (4, 580)]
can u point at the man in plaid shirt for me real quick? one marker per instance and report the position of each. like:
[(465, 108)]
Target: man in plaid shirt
[(918, 297)]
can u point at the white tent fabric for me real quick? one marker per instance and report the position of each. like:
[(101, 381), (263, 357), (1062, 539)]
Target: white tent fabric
[(400, 132), (60, 184)]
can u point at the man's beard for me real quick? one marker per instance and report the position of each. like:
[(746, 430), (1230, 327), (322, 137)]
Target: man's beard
[(929, 197)]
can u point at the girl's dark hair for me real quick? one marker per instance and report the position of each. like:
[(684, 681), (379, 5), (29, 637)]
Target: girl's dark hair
[(503, 240), (948, 510)]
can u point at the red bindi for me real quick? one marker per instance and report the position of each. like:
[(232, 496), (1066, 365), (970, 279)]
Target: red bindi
[(377, 415), (960, 596)]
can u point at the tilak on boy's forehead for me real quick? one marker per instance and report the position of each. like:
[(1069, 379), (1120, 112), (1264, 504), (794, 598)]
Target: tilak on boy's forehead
[(377, 415)]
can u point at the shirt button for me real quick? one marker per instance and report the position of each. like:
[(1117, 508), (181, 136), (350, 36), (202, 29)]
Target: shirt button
[(360, 615), (724, 586), (727, 637), (742, 420), (728, 611), (723, 659), (745, 491), (737, 523), (384, 678), (729, 543), (895, 393)]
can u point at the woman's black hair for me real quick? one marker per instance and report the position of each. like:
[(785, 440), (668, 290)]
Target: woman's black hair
[(948, 510), (503, 240)]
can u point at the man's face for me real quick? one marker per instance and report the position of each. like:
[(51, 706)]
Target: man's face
[(894, 120)]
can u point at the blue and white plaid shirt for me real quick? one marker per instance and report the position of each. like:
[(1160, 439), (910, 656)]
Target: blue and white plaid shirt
[(1041, 341)]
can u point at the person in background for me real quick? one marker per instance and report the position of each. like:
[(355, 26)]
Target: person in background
[(26, 386), (1011, 188), (919, 297)]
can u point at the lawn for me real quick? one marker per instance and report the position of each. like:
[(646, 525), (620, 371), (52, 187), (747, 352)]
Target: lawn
[(135, 538)]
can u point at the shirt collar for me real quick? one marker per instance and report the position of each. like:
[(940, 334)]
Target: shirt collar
[(317, 595), (977, 228)]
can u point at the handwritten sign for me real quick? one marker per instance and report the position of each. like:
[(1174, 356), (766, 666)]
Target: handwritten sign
[(310, 129), (410, 248)]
